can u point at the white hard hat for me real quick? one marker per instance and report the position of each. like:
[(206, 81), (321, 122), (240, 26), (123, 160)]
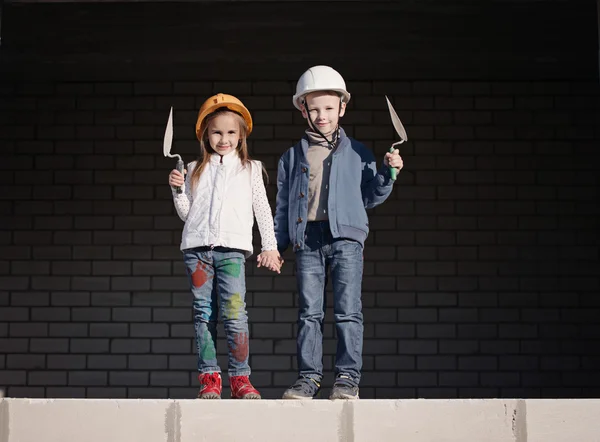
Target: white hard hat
[(320, 78)]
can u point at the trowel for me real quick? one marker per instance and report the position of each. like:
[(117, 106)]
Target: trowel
[(399, 130), (167, 147)]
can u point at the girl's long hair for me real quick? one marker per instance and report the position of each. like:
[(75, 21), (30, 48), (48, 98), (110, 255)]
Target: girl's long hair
[(206, 150)]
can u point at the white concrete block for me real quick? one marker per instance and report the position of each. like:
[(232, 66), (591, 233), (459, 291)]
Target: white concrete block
[(563, 420), (261, 421), (90, 420), (421, 420), (3, 420)]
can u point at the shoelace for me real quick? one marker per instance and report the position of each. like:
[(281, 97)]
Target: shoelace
[(306, 385), (345, 381), (240, 381), (211, 380)]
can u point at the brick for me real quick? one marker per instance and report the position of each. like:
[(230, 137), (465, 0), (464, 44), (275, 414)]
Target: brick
[(48, 345), (271, 362), (130, 346), (271, 330), (50, 314), (167, 283), (172, 346), (436, 331), (66, 392), (107, 362), (152, 268), (416, 379), (91, 283), (50, 283), (395, 330), (47, 378), (72, 298), (13, 377), (481, 331), (111, 299), (155, 362), (25, 392), (68, 330), (152, 299), (71, 268), (91, 252), (14, 282), (113, 330), (458, 315), (16, 314), (31, 330), (17, 252), (32, 362), (66, 362), (133, 314), (461, 379), (169, 379), (154, 330), (132, 252)]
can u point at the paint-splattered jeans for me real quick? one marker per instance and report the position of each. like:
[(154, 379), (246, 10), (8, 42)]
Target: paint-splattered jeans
[(344, 259), (219, 273)]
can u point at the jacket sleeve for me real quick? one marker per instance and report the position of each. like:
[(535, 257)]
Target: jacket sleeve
[(376, 184), (183, 201), (282, 233), (262, 209)]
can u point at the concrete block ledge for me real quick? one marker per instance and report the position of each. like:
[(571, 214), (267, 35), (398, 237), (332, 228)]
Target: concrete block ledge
[(414, 420)]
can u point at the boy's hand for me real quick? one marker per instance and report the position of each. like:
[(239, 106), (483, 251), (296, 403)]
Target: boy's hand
[(176, 179), (270, 259), (393, 160)]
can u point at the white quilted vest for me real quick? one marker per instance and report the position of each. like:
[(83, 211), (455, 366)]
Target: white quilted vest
[(221, 212)]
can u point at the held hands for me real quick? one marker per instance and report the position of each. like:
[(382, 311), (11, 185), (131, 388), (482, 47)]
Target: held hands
[(176, 179), (270, 259), (393, 160)]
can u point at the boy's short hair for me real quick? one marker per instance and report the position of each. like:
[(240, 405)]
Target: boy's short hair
[(324, 92)]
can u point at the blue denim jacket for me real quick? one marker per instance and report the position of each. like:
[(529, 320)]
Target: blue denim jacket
[(355, 184)]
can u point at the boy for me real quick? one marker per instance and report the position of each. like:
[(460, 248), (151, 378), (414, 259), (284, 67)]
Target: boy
[(324, 184)]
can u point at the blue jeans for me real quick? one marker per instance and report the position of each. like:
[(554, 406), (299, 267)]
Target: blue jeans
[(344, 259), (213, 273)]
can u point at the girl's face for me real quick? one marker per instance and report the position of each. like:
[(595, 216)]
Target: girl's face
[(224, 133)]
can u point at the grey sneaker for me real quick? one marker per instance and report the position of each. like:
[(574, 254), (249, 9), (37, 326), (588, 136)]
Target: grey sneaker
[(303, 388), (344, 388)]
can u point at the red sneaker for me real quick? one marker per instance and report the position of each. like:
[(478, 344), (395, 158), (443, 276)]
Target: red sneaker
[(241, 388), (210, 386)]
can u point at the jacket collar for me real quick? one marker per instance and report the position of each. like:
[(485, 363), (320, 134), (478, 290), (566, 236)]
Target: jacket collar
[(229, 159), (305, 143)]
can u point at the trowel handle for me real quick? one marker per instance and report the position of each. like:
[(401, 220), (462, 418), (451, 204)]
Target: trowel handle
[(179, 166), (393, 170)]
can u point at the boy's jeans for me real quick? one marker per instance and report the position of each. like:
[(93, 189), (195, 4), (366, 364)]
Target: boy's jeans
[(219, 272), (345, 260)]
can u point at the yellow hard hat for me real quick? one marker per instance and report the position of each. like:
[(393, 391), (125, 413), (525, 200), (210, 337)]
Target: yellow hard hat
[(219, 101)]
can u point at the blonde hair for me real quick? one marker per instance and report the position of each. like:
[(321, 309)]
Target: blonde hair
[(206, 150)]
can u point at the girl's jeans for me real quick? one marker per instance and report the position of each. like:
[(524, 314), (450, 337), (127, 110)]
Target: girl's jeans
[(344, 258), (219, 272)]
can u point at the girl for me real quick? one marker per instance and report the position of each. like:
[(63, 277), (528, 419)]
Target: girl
[(220, 192)]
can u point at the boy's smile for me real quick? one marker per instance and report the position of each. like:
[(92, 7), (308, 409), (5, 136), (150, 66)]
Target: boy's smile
[(324, 111)]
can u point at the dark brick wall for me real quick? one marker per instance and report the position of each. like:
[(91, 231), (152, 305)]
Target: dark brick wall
[(481, 270)]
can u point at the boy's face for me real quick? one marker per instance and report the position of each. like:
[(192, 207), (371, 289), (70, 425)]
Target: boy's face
[(323, 109), (224, 133)]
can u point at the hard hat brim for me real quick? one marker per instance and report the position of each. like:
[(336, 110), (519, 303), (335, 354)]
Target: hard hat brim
[(297, 98)]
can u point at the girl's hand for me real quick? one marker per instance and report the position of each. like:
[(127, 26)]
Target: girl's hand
[(176, 179), (270, 259), (393, 160)]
